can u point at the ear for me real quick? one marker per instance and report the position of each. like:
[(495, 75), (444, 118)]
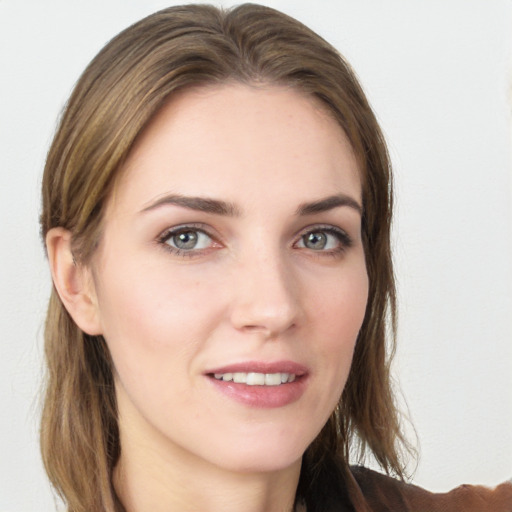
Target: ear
[(74, 282)]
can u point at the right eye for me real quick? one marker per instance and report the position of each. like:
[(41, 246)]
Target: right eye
[(186, 240)]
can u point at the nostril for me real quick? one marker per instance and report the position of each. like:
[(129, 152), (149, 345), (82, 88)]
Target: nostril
[(266, 331)]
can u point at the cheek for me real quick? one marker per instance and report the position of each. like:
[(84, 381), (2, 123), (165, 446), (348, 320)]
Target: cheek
[(341, 310), (341, 303), (154, 320), (336, 308)]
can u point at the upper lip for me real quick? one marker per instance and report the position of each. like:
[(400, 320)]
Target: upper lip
[(262, 367)]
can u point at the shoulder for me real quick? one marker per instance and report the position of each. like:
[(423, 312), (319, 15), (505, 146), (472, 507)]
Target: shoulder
[(375, 492)]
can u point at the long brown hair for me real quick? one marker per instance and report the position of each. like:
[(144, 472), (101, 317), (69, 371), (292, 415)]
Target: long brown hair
[(117, 95)]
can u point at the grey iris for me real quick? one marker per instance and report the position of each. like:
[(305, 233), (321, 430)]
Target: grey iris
[(185, 240), (315, 241)]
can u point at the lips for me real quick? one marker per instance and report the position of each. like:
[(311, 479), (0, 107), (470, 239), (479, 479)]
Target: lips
[(261, 384)]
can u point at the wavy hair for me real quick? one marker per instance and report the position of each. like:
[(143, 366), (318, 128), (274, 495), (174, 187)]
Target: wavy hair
[(117, 95)]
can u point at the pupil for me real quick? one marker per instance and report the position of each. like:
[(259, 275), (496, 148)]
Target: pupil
[(315, 241), (185, 240)]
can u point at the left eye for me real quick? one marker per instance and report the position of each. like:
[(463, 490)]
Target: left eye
[(323, 240), (188, 240)]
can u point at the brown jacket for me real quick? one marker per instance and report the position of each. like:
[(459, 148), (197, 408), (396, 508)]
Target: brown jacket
[(373, 492)]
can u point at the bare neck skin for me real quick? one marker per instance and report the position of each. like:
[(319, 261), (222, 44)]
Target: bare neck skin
[(154, 475)]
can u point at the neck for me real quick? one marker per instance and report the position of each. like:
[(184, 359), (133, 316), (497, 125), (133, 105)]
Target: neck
[(158, 475), (145, 482)]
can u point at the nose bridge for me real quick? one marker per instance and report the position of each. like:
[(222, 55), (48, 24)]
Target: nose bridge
[(266, 297)]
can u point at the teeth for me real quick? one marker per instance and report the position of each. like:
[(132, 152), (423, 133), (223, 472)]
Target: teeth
[(272, 379), (239, 378), (256, 379)]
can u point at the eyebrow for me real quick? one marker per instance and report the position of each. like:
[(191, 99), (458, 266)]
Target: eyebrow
[(329, 203), (202, 204), (218, 207)]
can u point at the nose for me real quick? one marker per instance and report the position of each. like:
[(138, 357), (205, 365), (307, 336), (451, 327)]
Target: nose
[(266, 296)]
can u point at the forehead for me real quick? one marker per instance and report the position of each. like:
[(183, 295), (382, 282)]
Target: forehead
[(227, 139)]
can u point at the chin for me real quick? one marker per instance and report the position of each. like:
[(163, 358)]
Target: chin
[(260, 463), (262, 456)]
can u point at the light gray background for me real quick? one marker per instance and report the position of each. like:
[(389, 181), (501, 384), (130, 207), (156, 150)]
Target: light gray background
[(438, 74)]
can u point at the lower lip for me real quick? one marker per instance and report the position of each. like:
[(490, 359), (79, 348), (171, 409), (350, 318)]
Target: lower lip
[(262, 396)]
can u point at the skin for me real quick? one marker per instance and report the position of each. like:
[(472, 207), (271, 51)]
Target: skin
[(252, 289)]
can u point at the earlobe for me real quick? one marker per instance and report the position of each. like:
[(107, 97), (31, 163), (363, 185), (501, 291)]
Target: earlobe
[(73, 281)]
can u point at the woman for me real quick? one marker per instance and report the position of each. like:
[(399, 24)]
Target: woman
[(216, 210)]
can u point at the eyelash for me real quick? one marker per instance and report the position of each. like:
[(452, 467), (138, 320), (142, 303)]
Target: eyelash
[(344, 240), (175, 231)]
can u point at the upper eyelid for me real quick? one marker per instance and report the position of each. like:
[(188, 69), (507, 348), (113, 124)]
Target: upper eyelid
[(322, 227), (199, 226), (193, 226)]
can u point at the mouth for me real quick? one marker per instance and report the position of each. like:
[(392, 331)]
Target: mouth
[(260, 384)]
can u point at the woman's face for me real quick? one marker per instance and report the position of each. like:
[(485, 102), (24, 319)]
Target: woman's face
[(230, 282)]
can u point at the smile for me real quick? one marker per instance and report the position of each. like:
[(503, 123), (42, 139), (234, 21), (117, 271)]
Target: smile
[(256, 379), (261, 384)]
